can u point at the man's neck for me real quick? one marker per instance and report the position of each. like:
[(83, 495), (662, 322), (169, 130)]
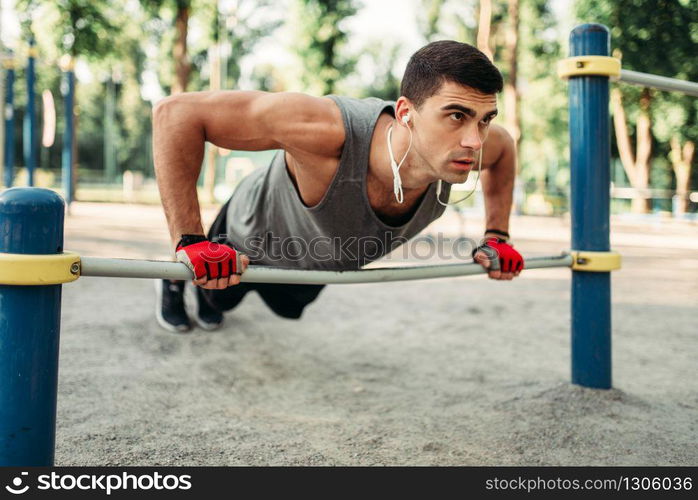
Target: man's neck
[(415, 180)]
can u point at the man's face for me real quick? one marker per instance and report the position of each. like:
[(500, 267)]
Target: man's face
[(450, 129)]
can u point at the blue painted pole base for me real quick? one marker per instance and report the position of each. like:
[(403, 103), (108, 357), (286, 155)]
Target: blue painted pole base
[(31, 222), (590, 153), (591, 324)]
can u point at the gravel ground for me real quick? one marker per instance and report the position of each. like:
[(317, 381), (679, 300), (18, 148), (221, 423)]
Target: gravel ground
[(463, 371)]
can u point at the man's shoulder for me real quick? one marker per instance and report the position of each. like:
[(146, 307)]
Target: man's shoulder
[(499, 143), (350, 102), (359, 114), (367, 99), (499, 136)]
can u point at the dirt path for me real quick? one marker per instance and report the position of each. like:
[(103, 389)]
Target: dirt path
[(452, 371)]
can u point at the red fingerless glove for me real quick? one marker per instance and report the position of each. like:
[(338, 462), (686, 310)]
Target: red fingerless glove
[(205, 258), (502, 255)]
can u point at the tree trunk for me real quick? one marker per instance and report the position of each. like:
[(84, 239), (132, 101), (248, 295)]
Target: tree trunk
[(644, 152), (681, 160), (637, 167), (625, 149), (433, 14), (182, 65), (511, 96), (483, 30)]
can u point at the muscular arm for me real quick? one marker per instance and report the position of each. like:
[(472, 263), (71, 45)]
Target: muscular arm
[(498, 183), (241, 120), (178, 149), (498, 186)]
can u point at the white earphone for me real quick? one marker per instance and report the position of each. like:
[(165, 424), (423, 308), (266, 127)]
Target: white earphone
[(479, 169), (397, 182)]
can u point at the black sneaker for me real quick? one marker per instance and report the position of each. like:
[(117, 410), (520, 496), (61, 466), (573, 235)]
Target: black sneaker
[(200, 310), (169, 306)]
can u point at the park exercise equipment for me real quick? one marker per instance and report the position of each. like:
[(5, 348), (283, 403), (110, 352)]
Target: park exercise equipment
[(588, 70), (66, 267), (33, 265), (8, 65), (30, 125)]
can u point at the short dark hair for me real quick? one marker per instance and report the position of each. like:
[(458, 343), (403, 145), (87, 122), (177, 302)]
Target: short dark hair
[(448, 60)]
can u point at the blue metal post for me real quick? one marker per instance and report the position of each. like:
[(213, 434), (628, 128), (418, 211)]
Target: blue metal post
[(590, 180), (9, 123), (30, 128), (68, 90), (31, 222)]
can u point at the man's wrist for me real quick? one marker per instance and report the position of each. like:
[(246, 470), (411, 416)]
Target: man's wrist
[(188, 237), (497, 233)]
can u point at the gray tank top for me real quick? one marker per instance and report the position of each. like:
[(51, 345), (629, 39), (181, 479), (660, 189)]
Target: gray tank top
[(268, 221)]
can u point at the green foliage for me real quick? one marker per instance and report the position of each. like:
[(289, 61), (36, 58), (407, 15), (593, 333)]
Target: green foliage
[(449, 19), (159, 31), (654, 36), (268, 78), (154, 7), (383, 56), (429, 22), (84, 26), (112, 38), (237, 30), (238, 27), (320, 43), (254, 20), (659, 37), (110, 48), (543, 106), (122, 68), (110, 44)]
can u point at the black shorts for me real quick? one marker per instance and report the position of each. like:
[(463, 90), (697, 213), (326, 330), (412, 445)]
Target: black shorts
[(287, 301)]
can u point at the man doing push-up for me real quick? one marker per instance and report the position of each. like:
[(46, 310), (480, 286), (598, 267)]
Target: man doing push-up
[(347, 171)]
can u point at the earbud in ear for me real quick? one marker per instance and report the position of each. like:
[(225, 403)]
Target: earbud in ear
[(406, 118)]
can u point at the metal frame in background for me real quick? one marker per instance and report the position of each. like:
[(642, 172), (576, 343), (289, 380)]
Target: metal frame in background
[(659, 82), (589, 70), (126, 268)]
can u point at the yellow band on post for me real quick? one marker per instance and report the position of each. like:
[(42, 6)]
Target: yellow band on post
[(52, 269), (66, 63), (589, 66), (596, 262)]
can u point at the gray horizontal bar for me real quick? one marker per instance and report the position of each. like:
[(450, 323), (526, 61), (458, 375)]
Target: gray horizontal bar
[(127, 268), (659, 82)]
